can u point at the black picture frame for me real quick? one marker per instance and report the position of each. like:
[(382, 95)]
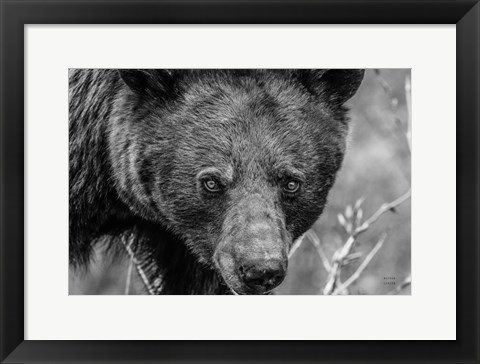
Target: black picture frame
[(15, 14)]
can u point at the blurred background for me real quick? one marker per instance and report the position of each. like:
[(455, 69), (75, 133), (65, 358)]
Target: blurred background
[(376, 169)]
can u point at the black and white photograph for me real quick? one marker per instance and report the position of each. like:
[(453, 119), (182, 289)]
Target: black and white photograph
[(239, 181)]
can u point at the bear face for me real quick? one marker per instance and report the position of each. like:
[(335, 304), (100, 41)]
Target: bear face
[(237, 163)]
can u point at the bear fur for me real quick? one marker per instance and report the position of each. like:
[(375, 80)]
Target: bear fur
[(214, 173)]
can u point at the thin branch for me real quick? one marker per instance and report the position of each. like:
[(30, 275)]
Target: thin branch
[(340, 257), (138, 266), (362, 266), (408, 97), (337, 262), (407, 282), (129, 276), (407, 129), (383, 209), (385, 85), (321, 253), (341, 254), (296, 245)]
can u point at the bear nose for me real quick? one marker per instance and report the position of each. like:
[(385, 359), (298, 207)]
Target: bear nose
[(263, 276)]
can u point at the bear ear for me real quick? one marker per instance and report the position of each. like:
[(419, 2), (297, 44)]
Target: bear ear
[(336, 86), (148, 82)]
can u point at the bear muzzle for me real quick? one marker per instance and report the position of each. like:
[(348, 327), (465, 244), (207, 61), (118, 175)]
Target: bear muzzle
[(252, 253), (264, 275), (253, 264), (251, 275)]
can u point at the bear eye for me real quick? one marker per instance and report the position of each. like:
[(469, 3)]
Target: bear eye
[(211, 185), (291, 186)]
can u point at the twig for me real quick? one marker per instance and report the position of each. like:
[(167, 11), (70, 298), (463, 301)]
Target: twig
[(383, 209), (408, 97), (296, 245), (341, 254), (129, 276), (385, 85), (340, 257), (407, 282), (407, 129), (362, 266), (334, 274), (316, 243), (138, 265)]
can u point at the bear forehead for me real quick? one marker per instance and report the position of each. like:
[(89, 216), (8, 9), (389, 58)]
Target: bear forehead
[(247, 107), (247, 127), (244, 118), (204, 88)]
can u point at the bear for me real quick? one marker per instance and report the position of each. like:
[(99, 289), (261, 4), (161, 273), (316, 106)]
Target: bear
[(212, 173)]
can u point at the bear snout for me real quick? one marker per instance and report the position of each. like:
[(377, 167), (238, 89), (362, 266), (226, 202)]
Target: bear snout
[(262, 276), (249, 274), (252, 265)]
